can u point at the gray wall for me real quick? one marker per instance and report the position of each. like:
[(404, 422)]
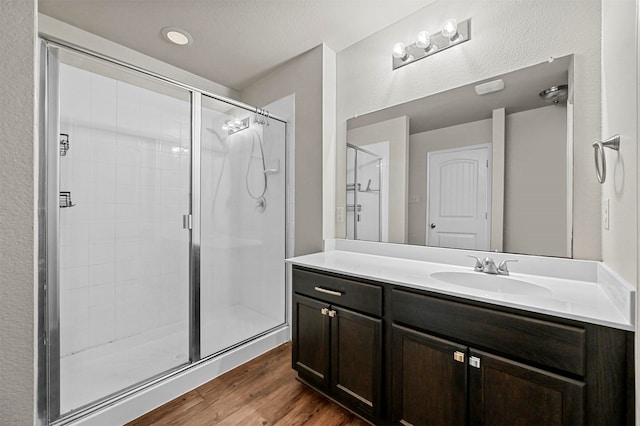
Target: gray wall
[(17, 233), (535, 183), (302, 76)]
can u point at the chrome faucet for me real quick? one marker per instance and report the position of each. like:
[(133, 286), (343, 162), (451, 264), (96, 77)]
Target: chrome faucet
[(488, 266)]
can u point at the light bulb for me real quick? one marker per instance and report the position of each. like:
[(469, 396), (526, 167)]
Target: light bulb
[(400, 51), (177, 36), (450, 28), (423, 40)]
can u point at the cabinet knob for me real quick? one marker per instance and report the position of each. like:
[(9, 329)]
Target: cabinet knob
[(458, 356), (474, 361), (332, 313), (324, 311)]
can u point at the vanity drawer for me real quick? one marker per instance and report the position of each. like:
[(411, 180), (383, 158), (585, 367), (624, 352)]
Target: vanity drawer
[(351, 294), (542, 342)]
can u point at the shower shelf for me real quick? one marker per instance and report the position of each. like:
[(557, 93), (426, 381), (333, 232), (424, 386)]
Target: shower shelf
[(64, 144), (65, 199)]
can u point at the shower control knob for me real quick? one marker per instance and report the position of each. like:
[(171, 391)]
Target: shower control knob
[(432, 226)]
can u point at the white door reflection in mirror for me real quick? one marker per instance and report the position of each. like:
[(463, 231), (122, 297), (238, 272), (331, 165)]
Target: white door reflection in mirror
[(458, 198)]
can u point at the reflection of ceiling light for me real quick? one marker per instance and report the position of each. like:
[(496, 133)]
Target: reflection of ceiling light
[(177, 36), (236, 125)]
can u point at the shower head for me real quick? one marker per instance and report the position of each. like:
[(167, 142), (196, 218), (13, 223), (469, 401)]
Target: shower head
[(555, 94)]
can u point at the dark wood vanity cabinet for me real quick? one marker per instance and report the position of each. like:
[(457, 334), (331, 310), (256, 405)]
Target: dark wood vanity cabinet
[(336, 348), (439, 382), (504, 392), (521, 369), (451, 361), (429, 379)]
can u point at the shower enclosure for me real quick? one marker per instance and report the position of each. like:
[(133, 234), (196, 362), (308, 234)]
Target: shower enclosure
[(364, 190), (163, 212)]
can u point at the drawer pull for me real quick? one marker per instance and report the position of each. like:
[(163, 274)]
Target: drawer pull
[(324, 290)]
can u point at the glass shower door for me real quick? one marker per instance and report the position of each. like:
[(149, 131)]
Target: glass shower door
[(124, 160), (364, 189), (242, 281)]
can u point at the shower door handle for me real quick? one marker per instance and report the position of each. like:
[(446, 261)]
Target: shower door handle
[(187, 221)]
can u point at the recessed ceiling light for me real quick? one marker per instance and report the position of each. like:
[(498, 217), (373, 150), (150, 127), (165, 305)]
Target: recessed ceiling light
[(177, 36)]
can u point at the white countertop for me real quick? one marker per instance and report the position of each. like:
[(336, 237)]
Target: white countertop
[(572, 299)]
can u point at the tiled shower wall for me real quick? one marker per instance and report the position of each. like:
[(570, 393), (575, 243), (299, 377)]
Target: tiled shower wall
[(124, 252)]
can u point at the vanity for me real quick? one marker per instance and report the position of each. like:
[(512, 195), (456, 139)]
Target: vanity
[(402, 340)]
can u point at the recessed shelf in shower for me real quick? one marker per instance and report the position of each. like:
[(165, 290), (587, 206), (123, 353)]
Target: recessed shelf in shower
[(64, 144), (65, 199)]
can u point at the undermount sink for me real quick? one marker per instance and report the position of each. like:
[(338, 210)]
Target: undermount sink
[(494, 283)]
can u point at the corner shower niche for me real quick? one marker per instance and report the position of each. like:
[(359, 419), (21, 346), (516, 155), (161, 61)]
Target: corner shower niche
[(164, 210)]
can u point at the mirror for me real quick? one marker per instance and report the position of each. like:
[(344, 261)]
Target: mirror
[(468, 169)]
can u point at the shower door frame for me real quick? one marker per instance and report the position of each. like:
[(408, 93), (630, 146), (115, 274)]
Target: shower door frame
[(355, 190), (48, 380)]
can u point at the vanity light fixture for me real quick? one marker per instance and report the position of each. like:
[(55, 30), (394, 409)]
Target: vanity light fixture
[(177, 36), (400, 52), (427, 44)]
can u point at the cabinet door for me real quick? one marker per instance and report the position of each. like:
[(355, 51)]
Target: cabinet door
[(310, 352), (504, 392), (356, 363), (429, 379)]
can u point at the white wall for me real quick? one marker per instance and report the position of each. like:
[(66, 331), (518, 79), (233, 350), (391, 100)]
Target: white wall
[(620, 116), (18, 133), (620, 94), (505, 36)]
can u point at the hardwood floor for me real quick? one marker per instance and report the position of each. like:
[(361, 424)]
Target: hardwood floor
[(263, 391)]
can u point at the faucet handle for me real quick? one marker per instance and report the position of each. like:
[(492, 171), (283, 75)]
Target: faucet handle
[(502, 268), (479, 266)]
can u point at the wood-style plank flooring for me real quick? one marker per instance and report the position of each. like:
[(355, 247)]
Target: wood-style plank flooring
[(263, 391)]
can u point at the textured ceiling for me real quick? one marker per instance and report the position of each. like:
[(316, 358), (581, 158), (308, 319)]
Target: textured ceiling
[(235, 41)]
